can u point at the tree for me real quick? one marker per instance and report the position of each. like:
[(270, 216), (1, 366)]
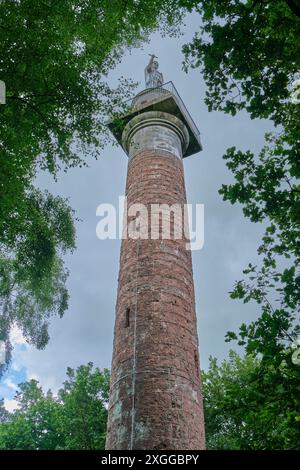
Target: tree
[(249, 53), (3, 412), (55, 57), (85, 399), (32, 273), (54, 60), (74, 419), (246, 56), (251, 406)]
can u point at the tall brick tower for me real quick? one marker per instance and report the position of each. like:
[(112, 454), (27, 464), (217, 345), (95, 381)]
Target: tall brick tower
[(155, 395)]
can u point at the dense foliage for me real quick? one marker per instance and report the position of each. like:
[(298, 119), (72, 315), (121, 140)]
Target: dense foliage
[(74, 419), (250, 405), (32, 273)]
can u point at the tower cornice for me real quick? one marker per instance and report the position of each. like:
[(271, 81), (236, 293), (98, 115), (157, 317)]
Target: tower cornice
[(164, 99)]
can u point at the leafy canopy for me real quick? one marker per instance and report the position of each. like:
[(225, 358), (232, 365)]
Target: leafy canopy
[(32, 273), (249, 405), (74, 419)]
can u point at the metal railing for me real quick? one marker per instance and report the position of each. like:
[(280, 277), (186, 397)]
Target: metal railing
[(164, 90)]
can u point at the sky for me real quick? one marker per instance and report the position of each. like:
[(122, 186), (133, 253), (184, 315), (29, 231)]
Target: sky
[(85, 333)]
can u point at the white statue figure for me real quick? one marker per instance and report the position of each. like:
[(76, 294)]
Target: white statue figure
[(153, 77)]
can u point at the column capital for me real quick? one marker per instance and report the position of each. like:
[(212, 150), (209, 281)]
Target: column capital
[(155, 130)]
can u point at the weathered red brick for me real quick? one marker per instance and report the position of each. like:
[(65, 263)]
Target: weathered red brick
[(155, 397)]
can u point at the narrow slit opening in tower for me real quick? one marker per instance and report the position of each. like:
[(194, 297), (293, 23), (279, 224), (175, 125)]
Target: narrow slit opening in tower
[(127, 317), (196, 359)]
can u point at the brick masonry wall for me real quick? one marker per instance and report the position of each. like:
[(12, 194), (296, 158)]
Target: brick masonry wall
[(155, 397)]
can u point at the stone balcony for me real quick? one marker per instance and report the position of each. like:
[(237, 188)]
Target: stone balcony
[(162, 99)]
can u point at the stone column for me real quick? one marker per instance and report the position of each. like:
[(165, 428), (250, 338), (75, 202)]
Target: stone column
[(155, 396)]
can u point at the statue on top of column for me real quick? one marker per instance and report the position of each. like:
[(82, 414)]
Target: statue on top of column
[(153, 77)]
